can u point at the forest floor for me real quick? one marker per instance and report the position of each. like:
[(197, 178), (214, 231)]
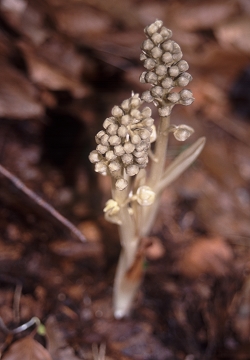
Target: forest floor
[(64, 65)]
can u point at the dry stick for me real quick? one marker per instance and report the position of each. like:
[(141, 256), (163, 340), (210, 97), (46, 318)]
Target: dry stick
[(38, 200)]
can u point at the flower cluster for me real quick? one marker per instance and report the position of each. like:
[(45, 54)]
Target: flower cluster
[(162, 58), (123, 144)]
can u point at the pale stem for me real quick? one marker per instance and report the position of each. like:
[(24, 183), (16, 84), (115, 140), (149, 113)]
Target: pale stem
[(157, 167), (125, 288)]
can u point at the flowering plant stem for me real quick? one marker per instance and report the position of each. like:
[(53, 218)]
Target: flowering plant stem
[(124, 150)]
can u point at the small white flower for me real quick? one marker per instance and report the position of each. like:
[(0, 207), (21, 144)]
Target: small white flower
[(145, 196)]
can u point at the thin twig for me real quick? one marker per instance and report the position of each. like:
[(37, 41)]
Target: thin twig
[(42, 203), (16, 302)]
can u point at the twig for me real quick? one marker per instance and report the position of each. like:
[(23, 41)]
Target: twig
[(16, 302), (42, 203)]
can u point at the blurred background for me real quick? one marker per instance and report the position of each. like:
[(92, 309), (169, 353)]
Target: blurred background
[(63, 65)]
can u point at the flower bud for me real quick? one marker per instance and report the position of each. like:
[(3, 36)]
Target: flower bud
[(161, 70), (114, 140), (157, 38), (132, 170), (94, 157), (117, 111), (135, 101), (129, 147), (168, 45), (114, 166), (142, 77), (166, 33), (112, 129), (135, 139), (144, 134), (142, 160), (148, 122), (101, 168), (145, 195), (184, 79), (104, 140), (146, 112), (177, 56), (157, 91), (126, 120), (174, 71), (135, 114), (142, 146), (147, 45), (143, 56), (149, 64), (167, 57), (98, 136), (110, 156), (111, 207), (183, 65), (108, 121), (146, 96), (167, 83), (121, 184), (127, 159), (122, 131), (126, 104), (102, 149), (174, 97), (182, 132), (119, 150), (176, 48), (151, 78)]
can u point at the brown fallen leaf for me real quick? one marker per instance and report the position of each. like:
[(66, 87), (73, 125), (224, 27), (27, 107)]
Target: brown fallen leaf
[(235, 33), (18, 97), (27, 349), (81, 21), (197, 15), (47, 75), (206, 256)]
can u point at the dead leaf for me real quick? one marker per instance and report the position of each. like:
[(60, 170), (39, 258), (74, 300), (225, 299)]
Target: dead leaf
[(18, 97), (47, 75), (27, 349), (206, 256), (198, 15), (235, 33), (81, 21)]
